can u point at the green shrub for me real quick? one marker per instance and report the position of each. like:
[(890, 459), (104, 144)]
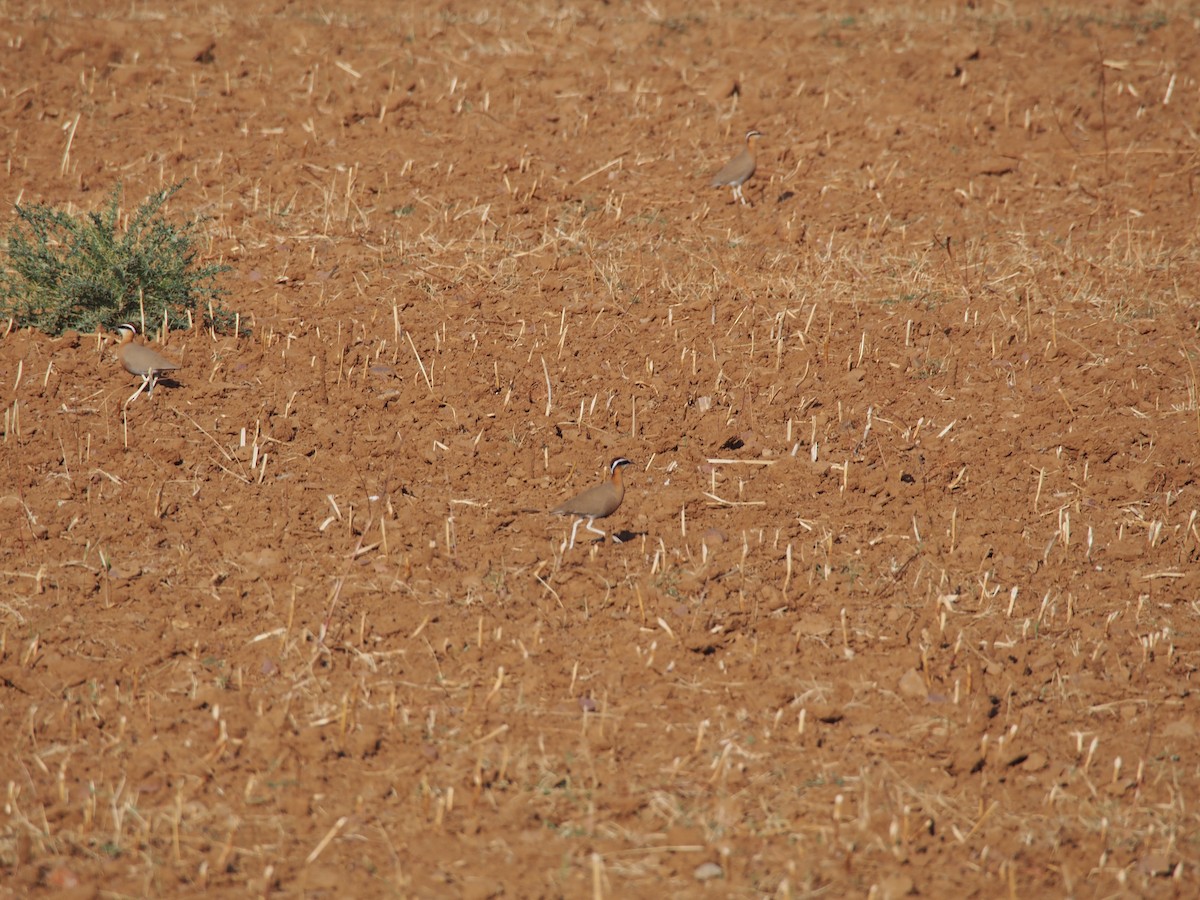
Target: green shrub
[(81, 272)]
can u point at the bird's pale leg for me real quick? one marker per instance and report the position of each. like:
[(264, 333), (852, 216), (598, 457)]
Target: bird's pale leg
[(141, 387), (574, 529)]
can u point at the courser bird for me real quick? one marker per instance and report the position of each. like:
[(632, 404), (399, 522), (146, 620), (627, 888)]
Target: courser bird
[(597, 502), (139, 359), (738, 170)]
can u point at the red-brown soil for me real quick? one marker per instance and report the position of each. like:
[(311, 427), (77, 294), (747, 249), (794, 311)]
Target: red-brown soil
[(909, 599)]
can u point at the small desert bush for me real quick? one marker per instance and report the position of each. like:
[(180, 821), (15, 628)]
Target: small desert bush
[(62, 271)]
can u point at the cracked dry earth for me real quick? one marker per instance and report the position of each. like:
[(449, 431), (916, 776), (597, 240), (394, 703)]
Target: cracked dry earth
[(907, 600)]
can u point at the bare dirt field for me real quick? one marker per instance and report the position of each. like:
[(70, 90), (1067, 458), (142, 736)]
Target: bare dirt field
[(908, 597)]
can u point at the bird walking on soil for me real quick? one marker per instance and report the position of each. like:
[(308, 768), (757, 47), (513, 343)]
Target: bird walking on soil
[(597, 502), (139, 359), (738, 170)]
